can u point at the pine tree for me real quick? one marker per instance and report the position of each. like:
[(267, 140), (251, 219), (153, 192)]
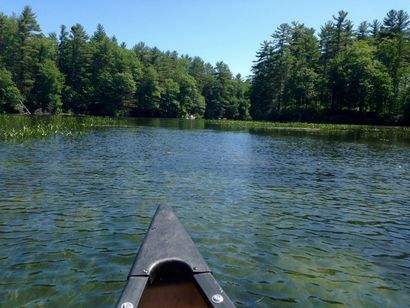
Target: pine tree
[(75, 53), (25, 61)]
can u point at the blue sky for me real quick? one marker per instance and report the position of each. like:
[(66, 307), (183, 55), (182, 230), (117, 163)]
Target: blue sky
[(215, 30)]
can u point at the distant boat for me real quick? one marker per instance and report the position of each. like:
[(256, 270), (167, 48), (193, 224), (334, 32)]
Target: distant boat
[(169, 271), (190, 117)]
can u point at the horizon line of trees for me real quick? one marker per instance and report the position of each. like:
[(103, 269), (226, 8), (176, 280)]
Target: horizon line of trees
[(341, 74)]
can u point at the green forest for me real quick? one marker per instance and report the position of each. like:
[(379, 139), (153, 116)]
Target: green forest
[(338, 74), (342, 74)]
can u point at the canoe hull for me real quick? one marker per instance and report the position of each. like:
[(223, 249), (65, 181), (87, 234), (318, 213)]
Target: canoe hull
[(169, 269)]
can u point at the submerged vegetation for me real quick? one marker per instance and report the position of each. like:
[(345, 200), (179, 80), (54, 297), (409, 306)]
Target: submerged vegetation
[(340, 74), (382, 134), (306, 126)]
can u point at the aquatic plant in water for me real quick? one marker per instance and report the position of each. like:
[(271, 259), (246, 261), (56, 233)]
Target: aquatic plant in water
[(21, 127)]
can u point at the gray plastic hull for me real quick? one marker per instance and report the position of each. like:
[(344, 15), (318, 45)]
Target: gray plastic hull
[(167, 251)]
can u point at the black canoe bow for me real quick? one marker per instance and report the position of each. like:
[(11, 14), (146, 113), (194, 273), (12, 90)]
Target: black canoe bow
[(169, 271)]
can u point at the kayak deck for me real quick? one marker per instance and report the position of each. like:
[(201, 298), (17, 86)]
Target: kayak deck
[(169, 271)]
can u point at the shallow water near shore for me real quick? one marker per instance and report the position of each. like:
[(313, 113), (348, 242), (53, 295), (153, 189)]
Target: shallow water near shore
[(284, 218)]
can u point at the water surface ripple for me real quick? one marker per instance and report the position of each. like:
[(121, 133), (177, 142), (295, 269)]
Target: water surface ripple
[(283, 220)]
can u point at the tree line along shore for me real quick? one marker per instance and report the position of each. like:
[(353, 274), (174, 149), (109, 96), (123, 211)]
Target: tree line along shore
[(340, 74)]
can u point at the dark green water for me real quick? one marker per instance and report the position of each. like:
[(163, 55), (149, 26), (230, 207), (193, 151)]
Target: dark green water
[(284, 219)]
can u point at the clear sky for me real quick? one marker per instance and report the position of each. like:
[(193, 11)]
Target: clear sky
[(216, 30)]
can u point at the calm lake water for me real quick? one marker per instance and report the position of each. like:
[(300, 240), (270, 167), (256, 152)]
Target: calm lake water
[(285, 219)]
